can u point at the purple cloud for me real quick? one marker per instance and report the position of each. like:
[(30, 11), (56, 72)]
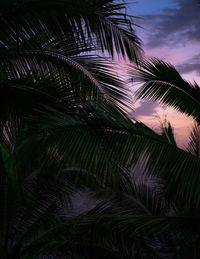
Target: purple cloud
[(191, 65), (173, 25), (147, 108)]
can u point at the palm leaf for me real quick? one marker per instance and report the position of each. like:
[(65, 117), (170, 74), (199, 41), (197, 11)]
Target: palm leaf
[(194, 142), (162, 82), (139, 215), (91, 72), (87, 141), (101, 23)]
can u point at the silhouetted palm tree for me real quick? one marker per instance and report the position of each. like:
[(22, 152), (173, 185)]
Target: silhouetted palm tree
[(145, 219), (55, 92)]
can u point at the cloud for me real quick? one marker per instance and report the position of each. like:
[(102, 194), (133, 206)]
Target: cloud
[(146, 108), (173, 25), (191, 65), (187, 68)]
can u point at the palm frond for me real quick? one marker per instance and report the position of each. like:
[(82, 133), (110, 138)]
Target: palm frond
[(194, 141), (104, 24), (87, 141), (162, 82), (111, 226), (92, 73), (137, 216), (30, 213)]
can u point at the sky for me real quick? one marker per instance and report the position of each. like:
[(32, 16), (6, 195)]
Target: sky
[(170, 31)]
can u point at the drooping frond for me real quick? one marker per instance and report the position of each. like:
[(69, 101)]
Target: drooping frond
[(94, 74), (88, 139), (46, 25), (162, 82)]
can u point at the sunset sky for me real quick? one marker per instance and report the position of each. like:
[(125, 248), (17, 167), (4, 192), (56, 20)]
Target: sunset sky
[(170, 31)]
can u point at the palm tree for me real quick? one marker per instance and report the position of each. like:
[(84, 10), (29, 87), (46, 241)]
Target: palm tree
[(55, 92), (45, 27), (171, 221), (143, 219), (62, 127), (68, 38), (45, 61)]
